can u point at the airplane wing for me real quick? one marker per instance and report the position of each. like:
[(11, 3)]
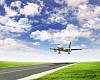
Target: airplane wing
[(54, 49), (75, 49), (67, 50)]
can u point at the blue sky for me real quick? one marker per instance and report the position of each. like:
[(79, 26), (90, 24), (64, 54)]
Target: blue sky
[(28, 28)]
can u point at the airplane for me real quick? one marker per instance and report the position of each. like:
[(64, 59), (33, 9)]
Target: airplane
[(60, 48)]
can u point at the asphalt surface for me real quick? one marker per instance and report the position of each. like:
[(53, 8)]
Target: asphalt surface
[(14, 73)]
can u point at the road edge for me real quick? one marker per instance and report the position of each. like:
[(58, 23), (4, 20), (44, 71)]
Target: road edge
[(38, 75)]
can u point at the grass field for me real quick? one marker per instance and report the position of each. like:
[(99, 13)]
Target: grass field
[(79, 71), (11, 64)]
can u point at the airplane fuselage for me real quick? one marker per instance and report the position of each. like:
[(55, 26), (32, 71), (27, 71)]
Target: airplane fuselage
[(62, 49)]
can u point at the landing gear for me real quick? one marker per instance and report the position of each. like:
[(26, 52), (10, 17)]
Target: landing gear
[(59, 52), (68, 52)]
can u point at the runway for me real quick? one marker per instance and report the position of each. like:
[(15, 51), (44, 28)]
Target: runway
[(14, 73)]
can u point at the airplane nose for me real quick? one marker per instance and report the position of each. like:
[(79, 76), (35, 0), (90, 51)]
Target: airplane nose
[(59, 46)]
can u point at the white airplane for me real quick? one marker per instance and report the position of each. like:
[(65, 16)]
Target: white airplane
[(60, 48)]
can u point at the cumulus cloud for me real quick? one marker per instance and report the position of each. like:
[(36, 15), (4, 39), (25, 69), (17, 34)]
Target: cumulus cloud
[(40, 35), (12, 26), (71, 33), (92, 24), (12, 44), (2, 2), (30, 9), (3, 19), (85, 34), (74, 3), (57, 19), (10, 12), (36, 43), (58, 16), (16, 4), (59, 1), (87, 12), (8, 43), (83, 46), (71, 3), (80, 10)]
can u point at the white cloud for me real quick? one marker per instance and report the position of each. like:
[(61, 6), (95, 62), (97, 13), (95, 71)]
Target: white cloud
[(36, 43), (96, 26), (30, 9), (83, 46), (71, 3), (9, 41), (16, 4), (8, 44), (85, 34), (58, 17), (10, 12), (96, 39), (41, 35), (97, 11), (3, 19), (92, 24), (12, 26), (59, 1), (74, 3), (2, 2), (83, 12), (87, 12), (23, 21), (71, 33)]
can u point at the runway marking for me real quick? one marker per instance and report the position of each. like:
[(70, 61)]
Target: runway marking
[(21, 70)]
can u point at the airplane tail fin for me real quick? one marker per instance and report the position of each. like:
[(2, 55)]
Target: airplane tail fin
[(69, 45), (69, 48)]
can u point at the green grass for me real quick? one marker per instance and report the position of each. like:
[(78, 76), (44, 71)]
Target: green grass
[(11, 64), (79, 71)]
